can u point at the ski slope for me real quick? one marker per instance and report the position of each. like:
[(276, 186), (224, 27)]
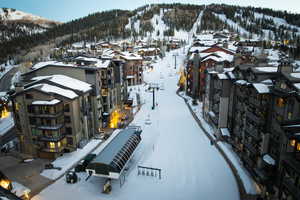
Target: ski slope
[(191, 168)]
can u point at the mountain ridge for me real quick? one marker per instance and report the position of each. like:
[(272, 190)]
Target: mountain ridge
[(164, 21)]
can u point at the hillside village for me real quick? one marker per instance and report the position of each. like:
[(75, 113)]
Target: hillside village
[(118, 101)]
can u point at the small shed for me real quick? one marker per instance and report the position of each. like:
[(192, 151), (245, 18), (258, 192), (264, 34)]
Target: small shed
[(112, 160)]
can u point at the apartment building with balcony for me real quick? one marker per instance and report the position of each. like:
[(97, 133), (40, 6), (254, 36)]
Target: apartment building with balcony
[(133, 68), (100, 73), (289, 170), (53, 115)]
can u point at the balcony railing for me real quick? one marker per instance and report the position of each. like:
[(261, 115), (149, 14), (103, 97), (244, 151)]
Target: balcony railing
[(53, 138), (253, 132), (46, 114), (258, 120), (53, 150), (251, 148), (49, 127)]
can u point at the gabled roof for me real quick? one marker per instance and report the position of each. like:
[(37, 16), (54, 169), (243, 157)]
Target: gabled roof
[(50, 89), (65, 82)]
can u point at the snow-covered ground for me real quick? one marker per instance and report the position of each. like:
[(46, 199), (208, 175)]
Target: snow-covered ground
[(172, 141), (249, 184), (69, 159), (19, 189), (234, 26)]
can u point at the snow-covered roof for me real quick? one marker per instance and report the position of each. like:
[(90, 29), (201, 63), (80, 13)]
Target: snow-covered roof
[(268, 159), (66, 81), (131, 56), (130, 76), (52, 102), (295, 75), (261, 88), (86, 59), (148, 49), (205, 37), (242, 82), (267, 69), (222, 76), (199, 49), (297, 85), (225, 132), (55, 90), (231, 75), (267, 82), (43, 64)]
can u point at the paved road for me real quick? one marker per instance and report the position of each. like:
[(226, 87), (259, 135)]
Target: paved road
[(6, 79)]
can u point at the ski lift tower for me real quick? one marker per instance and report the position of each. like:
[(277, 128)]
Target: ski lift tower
[(175, 55), (153, 87)]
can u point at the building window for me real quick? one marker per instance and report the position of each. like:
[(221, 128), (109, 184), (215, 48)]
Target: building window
[(283, 86), (58, 144), (52, 145), (30, 109), (32, 120), (67, 108), (298, 147), (28, 96), (68, 130), (34, 132), (67, 119), (293, 143), (280, 102), (69, 141)]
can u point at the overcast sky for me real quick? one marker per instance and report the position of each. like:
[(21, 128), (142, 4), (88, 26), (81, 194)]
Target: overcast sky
[(66, 10)]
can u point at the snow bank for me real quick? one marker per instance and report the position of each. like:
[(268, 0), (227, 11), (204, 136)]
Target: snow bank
[(249, 184)]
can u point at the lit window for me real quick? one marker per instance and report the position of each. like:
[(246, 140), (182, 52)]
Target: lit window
[(52, 145), (289, 115), (58, 144), (298, 147), (283, 85), (280, 102), (293, 143)]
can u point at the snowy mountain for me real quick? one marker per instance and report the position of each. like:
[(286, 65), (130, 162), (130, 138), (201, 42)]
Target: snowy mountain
[(156, 21), (15, 23), (182, 21)]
